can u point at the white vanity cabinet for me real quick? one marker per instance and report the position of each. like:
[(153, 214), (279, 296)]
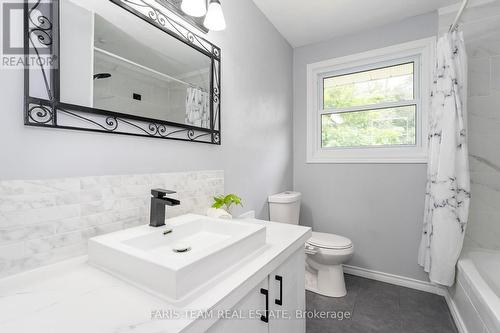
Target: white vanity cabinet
[(282, 293), (253, 302), (263, 274), (287, 295)]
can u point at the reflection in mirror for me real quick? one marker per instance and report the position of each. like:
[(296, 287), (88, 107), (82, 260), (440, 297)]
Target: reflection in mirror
[(127, 65)]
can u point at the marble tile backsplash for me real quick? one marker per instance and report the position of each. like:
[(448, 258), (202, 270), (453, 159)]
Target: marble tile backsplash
[(44, 221), (481, 27)]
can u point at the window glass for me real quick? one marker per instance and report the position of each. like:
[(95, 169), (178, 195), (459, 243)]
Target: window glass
[(369, 128), (382, 85)]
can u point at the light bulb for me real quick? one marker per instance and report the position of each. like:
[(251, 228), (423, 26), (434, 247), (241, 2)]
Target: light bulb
[(196, 8), (215, 17)]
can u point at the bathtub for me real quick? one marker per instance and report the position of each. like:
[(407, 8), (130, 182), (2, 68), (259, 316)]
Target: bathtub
[(476, 295)]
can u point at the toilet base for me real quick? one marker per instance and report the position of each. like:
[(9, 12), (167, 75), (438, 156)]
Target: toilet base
[(328, 281)]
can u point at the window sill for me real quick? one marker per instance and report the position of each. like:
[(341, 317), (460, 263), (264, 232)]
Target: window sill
[(367, 156)]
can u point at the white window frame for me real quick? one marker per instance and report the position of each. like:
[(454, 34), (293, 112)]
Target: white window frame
[(422, 52)]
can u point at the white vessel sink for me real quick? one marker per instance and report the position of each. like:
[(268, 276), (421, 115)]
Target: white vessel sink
[(145, 256)]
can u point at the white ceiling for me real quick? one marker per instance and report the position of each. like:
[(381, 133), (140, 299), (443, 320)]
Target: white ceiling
[(304, 22)]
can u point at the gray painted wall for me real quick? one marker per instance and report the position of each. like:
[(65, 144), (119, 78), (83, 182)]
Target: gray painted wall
[(380, 207), (256, 154)]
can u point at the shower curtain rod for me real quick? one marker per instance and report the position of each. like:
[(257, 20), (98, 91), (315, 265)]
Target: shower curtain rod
[(454, 26), (130, 62)]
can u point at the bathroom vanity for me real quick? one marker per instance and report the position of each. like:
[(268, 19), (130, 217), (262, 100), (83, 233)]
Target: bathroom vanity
[(237, 276)]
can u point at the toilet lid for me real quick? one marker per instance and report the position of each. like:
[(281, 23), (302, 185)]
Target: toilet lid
[(285, 197), (329, 241)]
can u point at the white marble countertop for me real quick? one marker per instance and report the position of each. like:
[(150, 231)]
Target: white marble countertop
[(72, 296)]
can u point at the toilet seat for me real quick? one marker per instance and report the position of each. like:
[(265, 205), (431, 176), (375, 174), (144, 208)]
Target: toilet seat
[(329, 241)]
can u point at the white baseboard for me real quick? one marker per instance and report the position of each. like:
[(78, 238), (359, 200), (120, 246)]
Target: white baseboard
[(413, 284), (457, 318), (396, 280)]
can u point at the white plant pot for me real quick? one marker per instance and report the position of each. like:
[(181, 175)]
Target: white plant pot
[(219, 213)]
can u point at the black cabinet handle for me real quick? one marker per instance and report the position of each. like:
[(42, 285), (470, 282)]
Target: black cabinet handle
[(265, 318), (280, 300)]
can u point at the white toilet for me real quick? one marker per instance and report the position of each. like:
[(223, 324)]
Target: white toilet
[(325, 252)]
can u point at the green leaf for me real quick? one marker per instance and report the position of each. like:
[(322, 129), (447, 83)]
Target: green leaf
[(231, 199), (218, 202), (217, 205)]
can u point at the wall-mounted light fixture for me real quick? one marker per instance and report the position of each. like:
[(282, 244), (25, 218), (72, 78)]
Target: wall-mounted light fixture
[(215, 17)]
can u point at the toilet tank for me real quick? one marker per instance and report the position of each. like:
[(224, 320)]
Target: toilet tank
[(285, 207)]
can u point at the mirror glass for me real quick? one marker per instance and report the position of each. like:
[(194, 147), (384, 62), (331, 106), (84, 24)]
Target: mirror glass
[(112, 60)]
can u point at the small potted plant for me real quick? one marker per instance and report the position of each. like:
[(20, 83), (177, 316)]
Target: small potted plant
[(221, 207)]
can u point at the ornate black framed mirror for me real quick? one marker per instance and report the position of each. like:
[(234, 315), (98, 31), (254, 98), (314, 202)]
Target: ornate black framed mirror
[(122, 67)]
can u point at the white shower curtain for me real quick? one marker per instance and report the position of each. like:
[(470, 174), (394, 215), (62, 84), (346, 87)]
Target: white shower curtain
[(197, 107), (448, 179)]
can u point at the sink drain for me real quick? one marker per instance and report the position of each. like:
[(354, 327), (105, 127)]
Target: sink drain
[(181, 248)]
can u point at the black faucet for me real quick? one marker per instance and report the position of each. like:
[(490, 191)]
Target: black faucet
[(158, 202)]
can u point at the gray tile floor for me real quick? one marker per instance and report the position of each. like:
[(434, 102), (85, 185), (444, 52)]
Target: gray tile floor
[(380, 307)]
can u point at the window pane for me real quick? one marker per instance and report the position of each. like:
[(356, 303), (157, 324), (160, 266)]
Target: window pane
[(388, 84), (391, 126)]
